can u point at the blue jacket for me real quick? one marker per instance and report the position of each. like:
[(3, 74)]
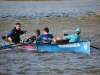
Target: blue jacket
[(45, 38), (15, 35)]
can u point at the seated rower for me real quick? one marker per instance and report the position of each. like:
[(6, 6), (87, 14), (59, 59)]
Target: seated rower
[(15, 33), (6, 41), (61, 40), (74, 37), (45, 38), (37, 33)]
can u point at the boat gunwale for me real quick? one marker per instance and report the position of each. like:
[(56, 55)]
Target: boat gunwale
[(60, 43)]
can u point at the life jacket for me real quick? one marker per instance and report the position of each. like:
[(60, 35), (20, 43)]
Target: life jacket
[(16, 35)]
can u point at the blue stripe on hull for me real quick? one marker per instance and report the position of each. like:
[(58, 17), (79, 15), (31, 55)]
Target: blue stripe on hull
[(81, 47)]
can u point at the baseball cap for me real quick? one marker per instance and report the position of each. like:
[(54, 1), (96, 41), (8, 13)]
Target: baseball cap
[(78, 30)]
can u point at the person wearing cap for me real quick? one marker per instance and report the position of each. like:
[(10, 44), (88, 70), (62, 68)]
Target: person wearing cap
[(74, 37)]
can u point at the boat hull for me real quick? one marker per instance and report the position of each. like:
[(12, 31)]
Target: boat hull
[(28, 48), (81, 47)]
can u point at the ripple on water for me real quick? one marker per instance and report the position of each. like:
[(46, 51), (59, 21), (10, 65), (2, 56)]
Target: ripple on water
[(93, 72), (1, 73), (18, 62), (21, 72)]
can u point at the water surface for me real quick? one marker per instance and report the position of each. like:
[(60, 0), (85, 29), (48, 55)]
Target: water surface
[(60, 17)]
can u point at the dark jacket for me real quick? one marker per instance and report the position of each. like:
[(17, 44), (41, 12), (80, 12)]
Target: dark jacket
[(15, 35)]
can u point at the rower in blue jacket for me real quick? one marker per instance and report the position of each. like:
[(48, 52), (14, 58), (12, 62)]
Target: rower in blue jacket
[(45, 38), (15, 33)]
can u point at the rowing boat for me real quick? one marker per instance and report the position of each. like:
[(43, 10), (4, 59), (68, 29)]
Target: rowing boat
[(79, 47)]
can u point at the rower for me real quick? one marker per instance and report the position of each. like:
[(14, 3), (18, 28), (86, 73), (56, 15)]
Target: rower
[(62, 40), (5, 41), (33, 38), (74, 37), (15, 33), (45, 38)]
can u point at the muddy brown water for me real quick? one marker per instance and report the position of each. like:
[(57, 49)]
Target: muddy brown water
[(18, 63), (14, 62)]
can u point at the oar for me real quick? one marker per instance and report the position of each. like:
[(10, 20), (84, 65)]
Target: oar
[(13, 45), (8, 46), (95, 47)]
